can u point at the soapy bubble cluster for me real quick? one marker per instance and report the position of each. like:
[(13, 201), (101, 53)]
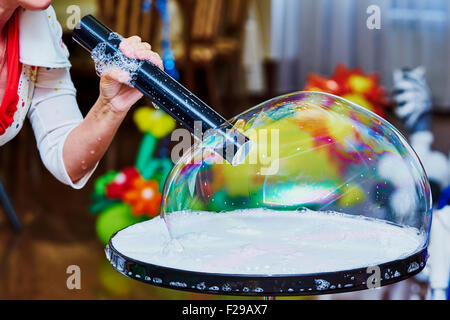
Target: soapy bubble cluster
[(105, 62)]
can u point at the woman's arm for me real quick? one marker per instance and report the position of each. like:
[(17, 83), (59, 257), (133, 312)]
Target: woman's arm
[(87, 143)]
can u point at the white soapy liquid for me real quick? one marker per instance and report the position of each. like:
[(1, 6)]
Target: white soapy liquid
[(265, 242)]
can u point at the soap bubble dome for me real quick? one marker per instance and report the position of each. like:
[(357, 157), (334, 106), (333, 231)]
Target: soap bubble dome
[(328, 191), (322, 171)]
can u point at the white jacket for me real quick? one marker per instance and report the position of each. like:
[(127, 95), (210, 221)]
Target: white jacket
[(47, 95)]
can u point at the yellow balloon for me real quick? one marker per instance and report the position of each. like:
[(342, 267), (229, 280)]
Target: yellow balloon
[(156, 122), (360, 84)]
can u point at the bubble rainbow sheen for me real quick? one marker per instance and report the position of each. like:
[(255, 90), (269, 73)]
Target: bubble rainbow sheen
[(311, 150)]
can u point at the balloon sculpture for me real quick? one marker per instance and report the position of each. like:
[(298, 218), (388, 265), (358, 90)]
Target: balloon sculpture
[(357, 87), (354, 85), (134, 194), (413, 98)]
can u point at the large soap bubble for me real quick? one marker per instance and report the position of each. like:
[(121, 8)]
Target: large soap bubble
[(327, 186)]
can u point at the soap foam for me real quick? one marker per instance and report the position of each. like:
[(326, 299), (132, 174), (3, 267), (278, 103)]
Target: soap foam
[(104, 61), (266, 242)]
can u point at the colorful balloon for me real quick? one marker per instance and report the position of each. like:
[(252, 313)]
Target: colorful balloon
[(134, 194), (113, 219), (144, 198), (103, 181), (156, 122), (121, 183), (354, 85), (146, 151)]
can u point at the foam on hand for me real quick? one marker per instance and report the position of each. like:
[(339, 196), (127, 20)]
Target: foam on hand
[(105, 62), (267, 242)]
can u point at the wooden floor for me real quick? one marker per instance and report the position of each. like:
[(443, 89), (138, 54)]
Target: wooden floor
[(58, 232)]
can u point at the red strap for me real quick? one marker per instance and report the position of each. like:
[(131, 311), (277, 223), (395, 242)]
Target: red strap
[(11, 97)]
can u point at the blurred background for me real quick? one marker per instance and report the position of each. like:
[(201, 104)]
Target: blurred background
[(234, 54)]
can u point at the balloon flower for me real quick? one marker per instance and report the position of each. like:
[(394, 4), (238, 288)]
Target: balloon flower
[(102, 182), (134, 193), (144, 198), (122, 182), (354, 85), (155, 124)]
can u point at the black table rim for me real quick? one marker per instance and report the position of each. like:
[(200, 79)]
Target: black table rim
[(266, 285)]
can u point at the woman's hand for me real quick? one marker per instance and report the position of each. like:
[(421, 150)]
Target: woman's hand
[(114, 91), (88, 142)]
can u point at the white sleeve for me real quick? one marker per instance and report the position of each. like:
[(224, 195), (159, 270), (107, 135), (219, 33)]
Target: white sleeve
[(41, 42), (54, 114)]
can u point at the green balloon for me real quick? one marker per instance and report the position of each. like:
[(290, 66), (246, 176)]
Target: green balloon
[(113, 219), (146, 151), (103, 181)]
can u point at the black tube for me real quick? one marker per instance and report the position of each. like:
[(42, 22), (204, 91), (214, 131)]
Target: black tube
[(166, 92)]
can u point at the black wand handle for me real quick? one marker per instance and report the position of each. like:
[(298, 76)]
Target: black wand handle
[(165, 92)]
